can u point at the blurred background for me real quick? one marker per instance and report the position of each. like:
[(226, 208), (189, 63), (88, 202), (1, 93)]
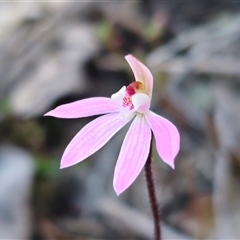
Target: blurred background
[(58, 52)]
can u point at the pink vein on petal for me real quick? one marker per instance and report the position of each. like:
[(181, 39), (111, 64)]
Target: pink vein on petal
[(133, 154), (166, 135), (141, 73), (85, 108), (91, 138)]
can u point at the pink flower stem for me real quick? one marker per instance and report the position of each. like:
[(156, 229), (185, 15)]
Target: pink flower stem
[(152, 195)]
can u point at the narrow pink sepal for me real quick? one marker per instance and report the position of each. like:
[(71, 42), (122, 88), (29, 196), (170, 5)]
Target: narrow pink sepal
[(166, 135), (85, 108), (91, 138), (141, 73), (133, 154)]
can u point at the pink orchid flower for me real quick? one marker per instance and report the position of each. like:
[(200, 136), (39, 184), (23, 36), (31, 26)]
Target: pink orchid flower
[(129, 102)]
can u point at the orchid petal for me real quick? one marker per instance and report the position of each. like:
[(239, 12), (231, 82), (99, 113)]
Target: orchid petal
[(85, 108), (141, 102), (133, 154), (92, 137), (141, 73), (118, 96), (166, 135)]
